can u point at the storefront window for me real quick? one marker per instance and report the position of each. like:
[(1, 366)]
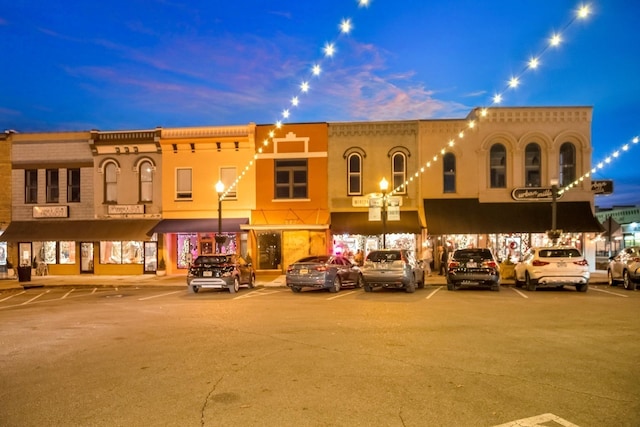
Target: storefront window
[(129, 252), (67, 252), (187, 249)]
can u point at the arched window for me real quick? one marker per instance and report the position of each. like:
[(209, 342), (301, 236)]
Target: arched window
[(449, 172), (399, 171), (567, 164), (532, 166), (498, 166), (111, 183), (354, 174), (145, 173)]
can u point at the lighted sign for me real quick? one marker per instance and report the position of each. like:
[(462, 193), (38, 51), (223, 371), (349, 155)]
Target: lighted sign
[(533, 193)]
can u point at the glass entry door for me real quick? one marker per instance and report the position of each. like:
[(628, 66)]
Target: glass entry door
[(150, 257), (86, 257)]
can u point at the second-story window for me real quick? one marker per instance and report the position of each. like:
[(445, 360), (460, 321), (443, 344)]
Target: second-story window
[(449, 173), (146, 181), (532, 165), (291, 179), (111, 183), (498, 166), (73, 185), (31, 186), (354, 175), (399, 171), (53, 186), (183, 183), (567, 164), (228, 177)]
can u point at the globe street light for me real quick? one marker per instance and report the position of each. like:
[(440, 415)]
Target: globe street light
[(219, 238), (384, 186)]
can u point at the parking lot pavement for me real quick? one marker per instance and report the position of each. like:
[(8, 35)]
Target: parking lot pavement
[(267, 279)]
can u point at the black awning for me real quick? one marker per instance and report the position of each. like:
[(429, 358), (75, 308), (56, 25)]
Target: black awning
[(358, 223), (469, 216), (199, 225), (78, 230)]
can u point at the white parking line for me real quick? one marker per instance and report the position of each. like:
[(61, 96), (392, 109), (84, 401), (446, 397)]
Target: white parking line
[(610, 293), (341, 294), (538, 421), (36, 297), (522, 294), (11, 296), (433, 292), (67, 294), (257, 293), (159, 295)]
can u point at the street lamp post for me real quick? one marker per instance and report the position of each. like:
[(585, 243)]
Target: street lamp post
[(384, 185), (554, 233), (219, 237)]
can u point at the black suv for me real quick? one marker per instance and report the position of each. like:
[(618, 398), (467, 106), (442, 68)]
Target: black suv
[(221, 271), (473, 267)]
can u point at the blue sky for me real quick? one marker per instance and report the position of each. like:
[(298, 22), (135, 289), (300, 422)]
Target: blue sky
[(136, 64)]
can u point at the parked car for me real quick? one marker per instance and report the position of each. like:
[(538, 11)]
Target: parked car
[(553, 266), (625, 268), (392, 268), (324, 272), (220, 271), (473, 267)]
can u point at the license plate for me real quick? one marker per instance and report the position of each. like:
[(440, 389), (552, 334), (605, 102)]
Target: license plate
[(207, 273), (472, 265), (303, 271), (562, 264)]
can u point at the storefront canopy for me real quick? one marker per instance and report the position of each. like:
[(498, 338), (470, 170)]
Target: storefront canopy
[(469, 216), (358, 223), (78, 230), (199, 225)]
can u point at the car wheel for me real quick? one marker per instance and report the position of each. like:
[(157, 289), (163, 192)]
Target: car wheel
[(411, 288), (421, 282), (518, 283), (252, 281), (451, 287), (359, 281), (236, 285), (582, 287), (495, 287), (531, 284), (295, 289), (610, 278), (335, 287), (626, 280), (194, 289), (367, 287)]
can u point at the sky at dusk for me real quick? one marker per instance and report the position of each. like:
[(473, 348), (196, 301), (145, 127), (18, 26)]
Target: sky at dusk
[(138, 64)]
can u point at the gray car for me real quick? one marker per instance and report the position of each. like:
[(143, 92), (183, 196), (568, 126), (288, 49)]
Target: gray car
[(323, 272), (392, 268), (473, 267), (625, 268)]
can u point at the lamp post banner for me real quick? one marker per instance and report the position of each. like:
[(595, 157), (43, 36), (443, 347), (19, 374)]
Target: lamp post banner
[(375, 213), (393, 213)]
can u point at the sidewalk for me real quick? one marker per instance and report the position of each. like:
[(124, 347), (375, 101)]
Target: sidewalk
[(179, 281)]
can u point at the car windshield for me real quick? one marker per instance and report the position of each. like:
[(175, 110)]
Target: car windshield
[(384, 256), (463, 254), (216, 259), (318, 259), (559, 253)]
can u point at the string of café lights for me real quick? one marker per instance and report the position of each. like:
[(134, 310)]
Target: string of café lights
[(329, 50)]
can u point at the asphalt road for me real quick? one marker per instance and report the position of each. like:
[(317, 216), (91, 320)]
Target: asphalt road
[(268, 357)]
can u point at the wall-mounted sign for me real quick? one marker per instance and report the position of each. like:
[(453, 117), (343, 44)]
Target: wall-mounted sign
[(125, 209), (604, 186), (374, 199), (529, 194), (51, 211)]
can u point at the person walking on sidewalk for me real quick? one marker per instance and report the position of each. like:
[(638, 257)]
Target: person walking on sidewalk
[(427, 259)]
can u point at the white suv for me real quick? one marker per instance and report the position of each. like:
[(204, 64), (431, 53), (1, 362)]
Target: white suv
[(553, 266)]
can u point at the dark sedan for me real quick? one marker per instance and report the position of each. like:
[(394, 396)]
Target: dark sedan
[(473, 267), (323, 272)]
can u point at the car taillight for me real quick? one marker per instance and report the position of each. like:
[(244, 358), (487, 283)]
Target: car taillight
[(453, 264), (636, 259), (538, 263), (582, 262), (289, 269), (491, 264)]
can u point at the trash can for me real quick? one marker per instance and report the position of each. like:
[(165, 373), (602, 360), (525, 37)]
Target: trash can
[(24, 274)]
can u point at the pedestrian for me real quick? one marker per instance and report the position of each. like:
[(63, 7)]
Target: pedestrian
[(359, 258), (427, 259), (443, 260)]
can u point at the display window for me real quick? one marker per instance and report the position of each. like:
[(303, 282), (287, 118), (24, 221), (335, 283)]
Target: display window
[(127, 252)]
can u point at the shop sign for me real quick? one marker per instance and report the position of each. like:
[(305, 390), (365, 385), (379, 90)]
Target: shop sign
[(125, 209), (393, 213), (533, 193), (604, 186), (51, 211)]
